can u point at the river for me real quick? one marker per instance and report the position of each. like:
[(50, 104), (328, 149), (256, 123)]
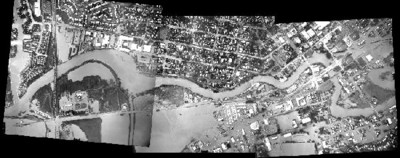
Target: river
[(338, 111), (238, 90), (135, 82)]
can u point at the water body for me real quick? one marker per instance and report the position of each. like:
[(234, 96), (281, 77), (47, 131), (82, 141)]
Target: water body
[(91, 69), (338, 111), (123, 64), (173, 129), (294, 149), (374, 75), (115, 129), (238, 90), (120, 62), (33, 130), (135, 82)]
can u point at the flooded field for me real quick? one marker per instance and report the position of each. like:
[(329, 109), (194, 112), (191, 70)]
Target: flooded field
[(62, 49), (173, 129), (338, 111), (115, 129), (294, 149), (387, 83), (33, 130)]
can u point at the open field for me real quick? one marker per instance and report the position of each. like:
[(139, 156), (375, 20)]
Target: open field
[(285, 121)]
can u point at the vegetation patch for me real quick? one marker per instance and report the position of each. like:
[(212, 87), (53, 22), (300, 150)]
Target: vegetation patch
[(44, 96), (355, 98)]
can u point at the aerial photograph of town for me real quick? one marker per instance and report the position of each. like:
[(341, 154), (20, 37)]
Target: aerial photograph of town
[(125, 73)]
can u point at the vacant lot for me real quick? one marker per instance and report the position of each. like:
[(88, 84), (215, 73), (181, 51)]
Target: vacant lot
[(285, 121)]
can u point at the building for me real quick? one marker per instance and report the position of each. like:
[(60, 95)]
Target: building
[(254, 125), (301, 101), (266, 122), (147, 48), (37, 8), (321, 24), (389, 121), (305, 120), (287, 135), (294, 124), (267, 143), (292, 88), (369, 57), (77, 102)]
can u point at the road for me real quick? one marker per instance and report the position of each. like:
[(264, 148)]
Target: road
[(72, 118)]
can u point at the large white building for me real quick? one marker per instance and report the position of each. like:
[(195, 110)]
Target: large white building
[(37, 8), (322, 24)]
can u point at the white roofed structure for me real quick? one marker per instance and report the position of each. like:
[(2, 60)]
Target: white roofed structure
[(255, 126), (322, 24)]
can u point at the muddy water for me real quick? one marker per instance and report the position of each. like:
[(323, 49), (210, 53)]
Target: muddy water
[(338, 111), (173, 129), (386, 84), (91, 69)]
